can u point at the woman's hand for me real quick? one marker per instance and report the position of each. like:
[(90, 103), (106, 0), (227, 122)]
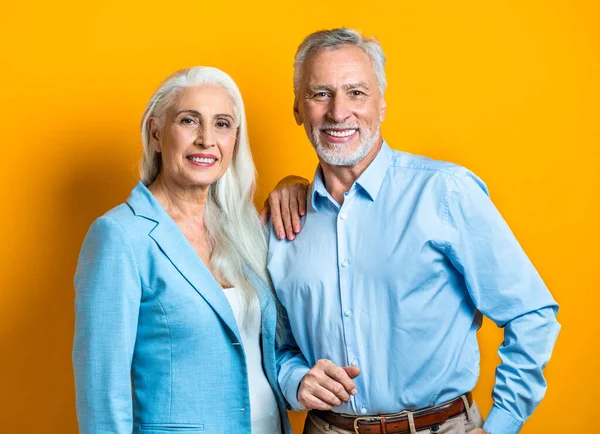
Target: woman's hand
[(286, 204)]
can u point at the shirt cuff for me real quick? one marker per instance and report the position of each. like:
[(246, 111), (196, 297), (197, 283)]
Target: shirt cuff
[(501, 422), (291, 388)]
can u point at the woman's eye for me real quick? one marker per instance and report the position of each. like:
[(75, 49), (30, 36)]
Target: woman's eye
[(222, 124), (187, 121)]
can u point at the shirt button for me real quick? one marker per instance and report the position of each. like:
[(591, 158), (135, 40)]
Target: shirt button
[(348, 312), (363, 411), (343, 215), (344, 263), (354, 362)]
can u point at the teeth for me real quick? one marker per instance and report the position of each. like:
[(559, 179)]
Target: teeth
[(344, 133), (202, 160)]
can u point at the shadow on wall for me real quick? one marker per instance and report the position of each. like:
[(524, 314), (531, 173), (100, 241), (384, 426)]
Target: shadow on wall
[(36, 346)]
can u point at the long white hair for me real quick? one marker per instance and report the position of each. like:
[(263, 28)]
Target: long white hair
[(237, 236)]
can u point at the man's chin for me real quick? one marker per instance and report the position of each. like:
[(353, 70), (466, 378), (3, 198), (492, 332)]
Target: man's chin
[(333, 158)]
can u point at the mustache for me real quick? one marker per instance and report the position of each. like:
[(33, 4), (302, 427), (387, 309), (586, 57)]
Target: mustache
[(338, 126)]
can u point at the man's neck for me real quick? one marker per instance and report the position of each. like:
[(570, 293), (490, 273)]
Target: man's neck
[(339, 179)]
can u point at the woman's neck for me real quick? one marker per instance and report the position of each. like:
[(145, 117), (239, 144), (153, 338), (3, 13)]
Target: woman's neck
[(182, 204)]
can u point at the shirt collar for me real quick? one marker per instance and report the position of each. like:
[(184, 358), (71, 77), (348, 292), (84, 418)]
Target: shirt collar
[(370, 180), (317, 188)]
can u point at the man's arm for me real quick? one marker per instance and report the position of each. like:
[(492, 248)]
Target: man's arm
[(505, 287)]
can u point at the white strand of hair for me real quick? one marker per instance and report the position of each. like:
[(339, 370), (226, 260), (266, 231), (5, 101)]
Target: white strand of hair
[(236, 233)]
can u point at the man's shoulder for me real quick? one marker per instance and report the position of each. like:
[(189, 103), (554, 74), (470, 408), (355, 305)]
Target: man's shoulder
[(426, 165), (418, 167)]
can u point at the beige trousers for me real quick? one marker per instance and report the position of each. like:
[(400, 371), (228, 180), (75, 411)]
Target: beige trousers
[(463, 424)]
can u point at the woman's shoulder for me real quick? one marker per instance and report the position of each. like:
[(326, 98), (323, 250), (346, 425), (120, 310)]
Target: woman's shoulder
[(121, 220)]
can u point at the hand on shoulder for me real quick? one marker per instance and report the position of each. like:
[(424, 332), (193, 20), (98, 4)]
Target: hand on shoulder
[(286, 204)]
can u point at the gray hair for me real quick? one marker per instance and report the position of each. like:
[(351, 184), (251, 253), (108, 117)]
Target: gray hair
[(334, 39), (236, 234)]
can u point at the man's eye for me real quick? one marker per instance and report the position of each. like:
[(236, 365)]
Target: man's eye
[(321, 95), (357, 93)]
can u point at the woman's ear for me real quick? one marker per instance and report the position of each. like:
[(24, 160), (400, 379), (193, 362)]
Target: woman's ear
[(154, 133)]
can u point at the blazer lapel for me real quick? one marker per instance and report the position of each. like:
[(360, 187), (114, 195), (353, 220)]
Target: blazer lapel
[(182, 255)]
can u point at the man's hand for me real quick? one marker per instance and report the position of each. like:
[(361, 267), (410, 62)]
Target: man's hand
[(478, 431), (286, 204), (327, 385)]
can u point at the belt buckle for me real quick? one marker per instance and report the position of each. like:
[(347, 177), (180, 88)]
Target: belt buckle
[(358, 419), (376, 418)]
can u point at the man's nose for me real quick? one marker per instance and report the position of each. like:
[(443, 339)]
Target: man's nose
[(339, 108)]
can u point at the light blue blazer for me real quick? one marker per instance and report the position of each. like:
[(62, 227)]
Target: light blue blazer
[(157, 348)]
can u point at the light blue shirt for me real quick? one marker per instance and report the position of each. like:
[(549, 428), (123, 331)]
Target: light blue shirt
[(395, 280)]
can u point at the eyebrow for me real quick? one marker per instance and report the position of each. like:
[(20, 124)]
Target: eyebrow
[(198, 114), (317, 87), (346, 87), (360, 84)]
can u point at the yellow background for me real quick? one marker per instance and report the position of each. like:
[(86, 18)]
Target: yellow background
[(509, 89)]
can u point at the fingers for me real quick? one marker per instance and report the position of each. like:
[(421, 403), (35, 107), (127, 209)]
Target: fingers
[(286, 214), (352, 371), (325, 385), (295, 212), (335, 389), (302, 189), (287, 203), (276, 215), (316, 396), (339, 374)]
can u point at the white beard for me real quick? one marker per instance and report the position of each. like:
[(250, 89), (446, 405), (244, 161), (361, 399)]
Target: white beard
[(336, 154)]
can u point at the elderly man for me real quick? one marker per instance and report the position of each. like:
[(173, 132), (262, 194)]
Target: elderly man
[(398, 258)]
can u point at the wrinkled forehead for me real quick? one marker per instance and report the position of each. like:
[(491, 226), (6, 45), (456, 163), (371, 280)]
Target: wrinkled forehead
[(339, 66)]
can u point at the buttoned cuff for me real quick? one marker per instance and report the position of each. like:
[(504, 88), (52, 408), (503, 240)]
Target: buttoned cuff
[(501, 422), (290, 390)]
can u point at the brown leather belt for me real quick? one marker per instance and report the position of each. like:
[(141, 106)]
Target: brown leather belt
[(397, 423)]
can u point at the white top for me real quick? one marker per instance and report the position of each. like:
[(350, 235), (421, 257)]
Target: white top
[(264, 412)]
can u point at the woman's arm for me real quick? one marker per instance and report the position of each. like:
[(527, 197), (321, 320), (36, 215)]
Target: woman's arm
[(107, 300)]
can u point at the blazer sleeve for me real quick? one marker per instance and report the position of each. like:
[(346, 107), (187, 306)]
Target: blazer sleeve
[(107, 301)]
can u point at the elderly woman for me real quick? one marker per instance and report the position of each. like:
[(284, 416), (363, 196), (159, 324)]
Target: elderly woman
[(176, 320)]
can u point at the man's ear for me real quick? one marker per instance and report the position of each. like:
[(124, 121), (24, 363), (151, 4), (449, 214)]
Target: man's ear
[(154, 134), (382, 110), (297, 114)]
